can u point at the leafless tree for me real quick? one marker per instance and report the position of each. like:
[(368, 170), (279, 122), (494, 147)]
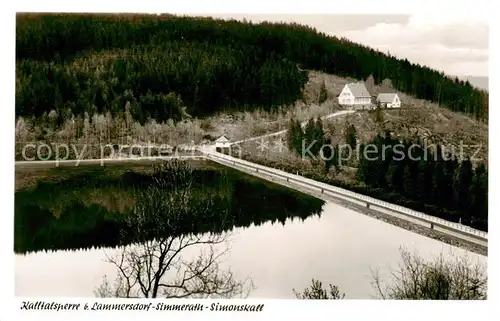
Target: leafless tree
[(168, 266), (21, 130), (386, 85), (158, 268), (316, 292), (457, 278)]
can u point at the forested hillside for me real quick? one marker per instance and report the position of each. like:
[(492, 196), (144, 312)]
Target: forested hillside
[(175, 67), (408, 172)]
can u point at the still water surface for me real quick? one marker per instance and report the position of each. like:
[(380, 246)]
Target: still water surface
[(340, 247)]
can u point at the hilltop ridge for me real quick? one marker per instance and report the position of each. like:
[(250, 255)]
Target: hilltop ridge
[(170, 67), (481, 82)]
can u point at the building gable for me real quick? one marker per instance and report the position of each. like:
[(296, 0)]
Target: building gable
[(222, 139), (346, 92)]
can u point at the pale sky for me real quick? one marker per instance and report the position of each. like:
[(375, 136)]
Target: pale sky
[(457, 45)]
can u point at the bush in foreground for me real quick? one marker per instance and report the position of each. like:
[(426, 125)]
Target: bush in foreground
[(457, 278), (316, 292)]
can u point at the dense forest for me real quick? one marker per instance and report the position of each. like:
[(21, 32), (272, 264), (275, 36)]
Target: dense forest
[(410, 173), (430, 176), (172, 67)]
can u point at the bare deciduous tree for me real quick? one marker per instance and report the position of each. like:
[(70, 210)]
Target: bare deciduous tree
[(158, 268), (167, 266), (21, 130), (386, 85), (457, 278), (87, 133)]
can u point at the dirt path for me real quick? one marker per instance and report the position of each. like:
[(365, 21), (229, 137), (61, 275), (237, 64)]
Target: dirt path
[(334, 115)]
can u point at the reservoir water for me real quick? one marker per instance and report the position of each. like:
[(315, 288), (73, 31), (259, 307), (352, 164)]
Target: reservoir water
[(280, 238)]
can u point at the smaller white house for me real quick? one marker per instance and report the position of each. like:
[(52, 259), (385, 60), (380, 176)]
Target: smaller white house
[(389, 100), (355, 95), (222, 142), (166, 149)]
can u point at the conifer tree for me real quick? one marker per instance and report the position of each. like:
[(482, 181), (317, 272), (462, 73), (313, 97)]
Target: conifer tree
[(479, 193), (337, 161), (395, 174), (450, 167), (351, 136), (439, 180), (385, 146), (370, 84), (309, 137), (328, 154), (319, 136), (291, 136), (294, 136), (379, 117), (426, 179), (362, 172), (323, 93), (420, 181), (409, 182), (461, 186)]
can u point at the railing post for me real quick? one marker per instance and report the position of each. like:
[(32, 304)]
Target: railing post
[(360, 197)]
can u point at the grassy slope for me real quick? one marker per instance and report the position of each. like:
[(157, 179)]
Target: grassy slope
[(437, 124), (417, 118), (239, 126), (422, 119)]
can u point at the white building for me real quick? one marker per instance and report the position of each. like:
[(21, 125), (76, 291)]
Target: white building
[(166, 149), (355, 95), (389, 100), (222, 142)]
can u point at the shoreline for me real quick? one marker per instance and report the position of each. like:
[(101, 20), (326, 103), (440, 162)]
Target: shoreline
[(387, 218)]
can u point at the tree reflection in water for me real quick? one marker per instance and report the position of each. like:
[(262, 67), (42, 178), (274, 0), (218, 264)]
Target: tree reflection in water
[(172, 225), (92, 207), (166, 266)]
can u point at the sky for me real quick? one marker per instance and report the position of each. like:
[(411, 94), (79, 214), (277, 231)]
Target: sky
[(457, 45)]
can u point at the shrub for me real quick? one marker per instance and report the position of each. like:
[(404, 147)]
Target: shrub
[(316, 292), (416, 279), (439, 279)]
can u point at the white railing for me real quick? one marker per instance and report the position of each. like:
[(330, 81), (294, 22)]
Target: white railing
[(321, 187), (369, 201)]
